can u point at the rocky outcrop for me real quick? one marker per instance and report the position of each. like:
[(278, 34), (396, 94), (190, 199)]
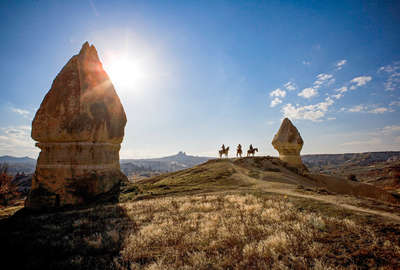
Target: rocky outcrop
[(79, 128), (289, 143)]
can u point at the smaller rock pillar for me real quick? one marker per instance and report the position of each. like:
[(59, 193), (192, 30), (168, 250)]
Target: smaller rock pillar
[(289, 143)]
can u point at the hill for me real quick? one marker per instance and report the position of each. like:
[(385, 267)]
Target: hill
[(349, 159), (267, 173), (172, 163), (18, 164), (228, 214), (249, 213), (11, 159), (381, 169), (145, 167)]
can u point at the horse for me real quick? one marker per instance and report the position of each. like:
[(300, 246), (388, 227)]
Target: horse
[(252, 151), (223, 152), (239, 152)]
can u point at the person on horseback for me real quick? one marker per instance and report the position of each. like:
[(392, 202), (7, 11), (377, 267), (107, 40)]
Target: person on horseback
[(239, 150), (251, 147), (223, 147)]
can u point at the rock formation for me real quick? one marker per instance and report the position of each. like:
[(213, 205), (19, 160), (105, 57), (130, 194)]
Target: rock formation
[(79, 128), (288, 143)]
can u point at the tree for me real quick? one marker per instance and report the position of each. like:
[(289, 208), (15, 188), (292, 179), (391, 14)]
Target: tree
[(8, 191)]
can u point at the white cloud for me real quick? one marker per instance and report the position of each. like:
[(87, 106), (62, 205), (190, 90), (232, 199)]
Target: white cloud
[(278, 93), (383, 139), (368, 109), (306, 63), (394, 103), (323, 79), (24, 113), (16, 140), (275, 102), (291, 86), (340, 64), (359, 81), (390, 68), (358, 108), (331, 118), (393, 81), (338, 96), (342, 89), (372, 141), (390, 129), (308, 93), (311, 112), (378, 110)]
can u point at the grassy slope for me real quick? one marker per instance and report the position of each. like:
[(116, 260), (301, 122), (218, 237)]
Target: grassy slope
[(245, 174), (216, 215)]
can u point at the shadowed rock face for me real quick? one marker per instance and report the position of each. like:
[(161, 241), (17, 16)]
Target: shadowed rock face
[(79, 127), (288, 143)]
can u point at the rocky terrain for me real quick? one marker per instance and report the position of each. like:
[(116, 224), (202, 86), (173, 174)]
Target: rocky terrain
[(322, 161), (377, 168)]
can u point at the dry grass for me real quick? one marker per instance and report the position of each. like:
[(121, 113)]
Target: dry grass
[(247, 232), (220, 231)]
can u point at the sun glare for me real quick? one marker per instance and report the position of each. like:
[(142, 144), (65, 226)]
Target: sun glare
[(125, 72)]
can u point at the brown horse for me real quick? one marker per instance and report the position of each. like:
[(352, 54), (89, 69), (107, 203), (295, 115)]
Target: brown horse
[(252, 151), (223, 152)]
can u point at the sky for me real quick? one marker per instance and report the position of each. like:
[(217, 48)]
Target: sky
[(193, 75)]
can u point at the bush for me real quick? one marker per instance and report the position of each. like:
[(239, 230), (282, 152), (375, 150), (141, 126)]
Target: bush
[(352, 177), (8, 191)]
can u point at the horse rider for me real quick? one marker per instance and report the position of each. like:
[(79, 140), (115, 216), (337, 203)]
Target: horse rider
[(223, 147), (239, 149), (251, 147)]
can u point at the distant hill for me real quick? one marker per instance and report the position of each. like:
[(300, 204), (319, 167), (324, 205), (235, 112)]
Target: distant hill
[(378, 168), (352, 159), (181, 161), (11, 159), (172, 163), (18, 164)]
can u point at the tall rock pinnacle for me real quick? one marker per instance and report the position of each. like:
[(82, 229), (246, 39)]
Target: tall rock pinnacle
[(79, 128), (288, 143)]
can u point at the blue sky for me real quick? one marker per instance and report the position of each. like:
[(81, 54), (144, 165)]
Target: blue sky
[(197, 74)]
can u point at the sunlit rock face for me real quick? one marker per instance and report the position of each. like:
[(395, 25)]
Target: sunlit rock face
[(288, 143), (79, 128)]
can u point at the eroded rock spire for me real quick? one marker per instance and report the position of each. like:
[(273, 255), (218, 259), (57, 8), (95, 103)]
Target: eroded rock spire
[(79, 128), (288, 143)]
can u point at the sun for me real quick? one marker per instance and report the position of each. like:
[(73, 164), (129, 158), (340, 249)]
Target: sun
[(126, 72)]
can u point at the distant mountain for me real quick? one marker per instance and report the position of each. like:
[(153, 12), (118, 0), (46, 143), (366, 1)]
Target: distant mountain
[(172, 163), (18, 164), (11, 159)]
